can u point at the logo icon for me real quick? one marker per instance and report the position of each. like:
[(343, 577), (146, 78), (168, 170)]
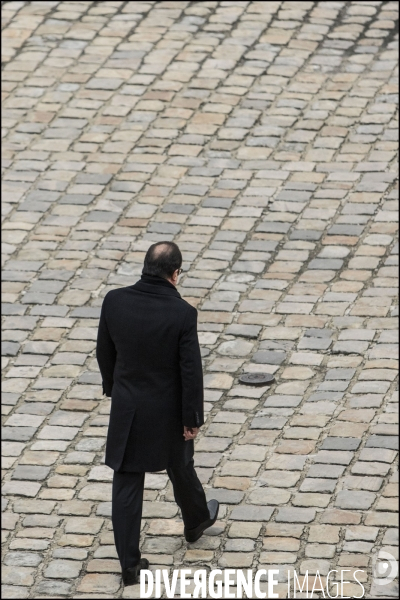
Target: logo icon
[(384, 567)]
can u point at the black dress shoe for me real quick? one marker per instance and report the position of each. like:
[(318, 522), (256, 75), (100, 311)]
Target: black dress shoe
[(192, 535), (131, 576)]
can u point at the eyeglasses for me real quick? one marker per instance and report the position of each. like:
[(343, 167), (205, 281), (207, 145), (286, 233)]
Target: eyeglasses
[(180, 271)]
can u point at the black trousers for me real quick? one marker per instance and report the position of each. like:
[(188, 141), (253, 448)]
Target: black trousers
[(127, 502)]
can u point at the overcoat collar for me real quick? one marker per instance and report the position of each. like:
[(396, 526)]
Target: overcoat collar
[(156, 285)]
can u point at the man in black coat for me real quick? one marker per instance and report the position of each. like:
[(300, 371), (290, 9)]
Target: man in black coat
[(149, 358)]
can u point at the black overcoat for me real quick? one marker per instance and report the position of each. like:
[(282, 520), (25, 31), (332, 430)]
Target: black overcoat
[(149, 358)]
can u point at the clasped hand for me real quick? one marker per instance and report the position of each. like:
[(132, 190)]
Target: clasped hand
[(189, 433)]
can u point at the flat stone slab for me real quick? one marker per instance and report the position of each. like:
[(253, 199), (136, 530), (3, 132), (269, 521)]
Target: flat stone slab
[(63, 569), (252, 513), (30, 472), (268, 357), (355, 499), (295, 515)]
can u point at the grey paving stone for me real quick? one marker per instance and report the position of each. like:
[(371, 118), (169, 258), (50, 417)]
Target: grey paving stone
[(318, 333), (391, 590), (63, 569), (286, 479), (163, 545), (268, 423), (47, 286), (382, 441), (22, 559), (24, 322), (70, 553), (35, 408), (353, 347), (325, 263), (295, 515), (217, 203), (57, 274), (225, 496), (307, 235), (53, 587), (330, 457), (18, 434), (10, 399), (41, 520), (250, 331), (25, 276), (49, 311), (355, 499), (235, 348), (164, 228), (314, 343), (329, 471), (373, 387), (30, 472), (24, 265), (239, 545), (40, 347), (269, 357), (320, 485), (67, 418), (273, 227), (9, 348), (338, 443), (282, 401), (12, 309), (333, 386), (340, 374), (331, 396), (15, 591), (252, 513), (281, 346), (391, 537), (82, 199), (104, 509), (90, 444)]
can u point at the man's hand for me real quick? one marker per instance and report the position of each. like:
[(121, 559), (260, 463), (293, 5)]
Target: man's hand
[(189, 433)]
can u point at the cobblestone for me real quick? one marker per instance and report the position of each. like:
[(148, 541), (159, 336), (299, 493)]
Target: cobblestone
[(262, 138)]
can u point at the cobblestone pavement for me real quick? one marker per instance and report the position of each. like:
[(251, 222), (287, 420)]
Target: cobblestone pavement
[(261, 137)]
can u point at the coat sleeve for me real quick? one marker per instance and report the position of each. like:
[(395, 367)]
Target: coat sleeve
[(191, 373), (106, 353)]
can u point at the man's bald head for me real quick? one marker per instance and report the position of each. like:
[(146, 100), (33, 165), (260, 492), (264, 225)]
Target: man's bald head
[(162, 259)]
